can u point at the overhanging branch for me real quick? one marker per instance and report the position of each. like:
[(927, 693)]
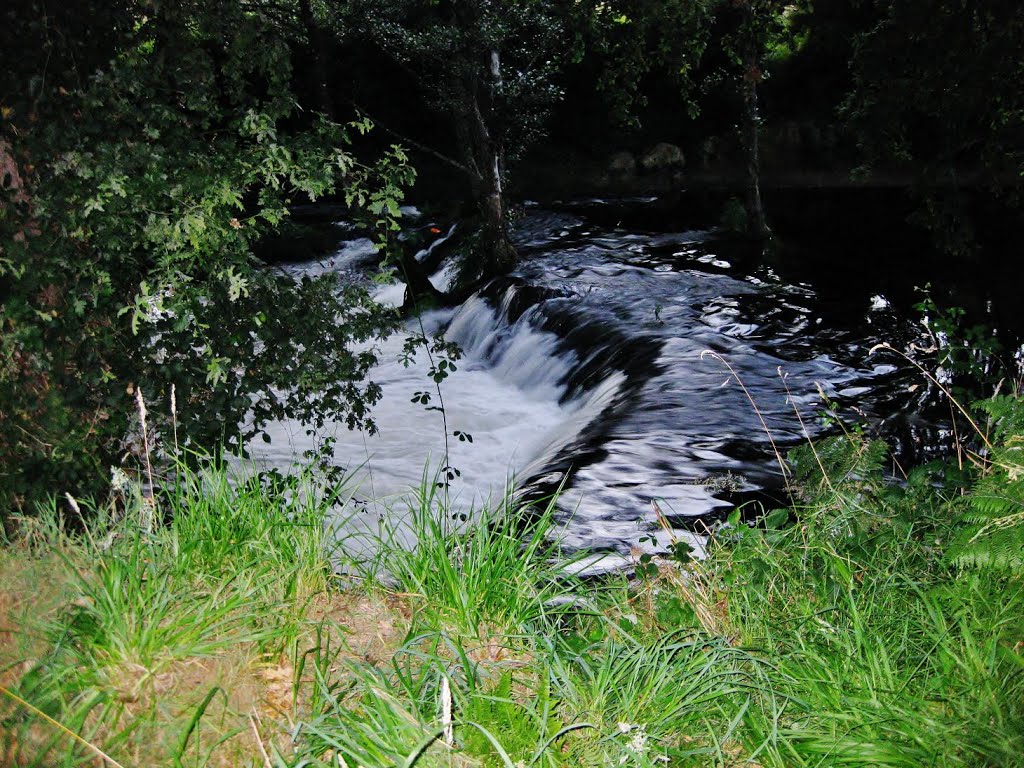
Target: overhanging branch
[(422, 147)]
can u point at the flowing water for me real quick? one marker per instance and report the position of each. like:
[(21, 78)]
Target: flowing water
[(643, 373)]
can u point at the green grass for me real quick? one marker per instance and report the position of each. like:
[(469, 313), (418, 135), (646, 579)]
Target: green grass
[(486, 571), (884, 655), (844, 638), (147, 611)]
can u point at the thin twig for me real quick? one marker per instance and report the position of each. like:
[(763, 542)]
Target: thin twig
[(413, 143), (437, 386)]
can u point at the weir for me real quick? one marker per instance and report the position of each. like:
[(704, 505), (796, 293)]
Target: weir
[(609, 366)]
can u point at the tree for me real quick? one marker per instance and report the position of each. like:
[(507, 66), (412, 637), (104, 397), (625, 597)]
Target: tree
[(937, 90), (490, 69), (963, 107), (633, 39), (146, 152), (755, 24)]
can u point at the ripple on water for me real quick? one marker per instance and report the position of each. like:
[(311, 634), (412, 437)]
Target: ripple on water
[(600, 380)]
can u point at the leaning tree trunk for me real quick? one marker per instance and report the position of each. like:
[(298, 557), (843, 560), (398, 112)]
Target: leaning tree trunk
[(496, 255), (757, 225)]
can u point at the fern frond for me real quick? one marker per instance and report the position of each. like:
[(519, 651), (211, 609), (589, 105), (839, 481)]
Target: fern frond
[(838, 460), (988, 507), (993, 532), (997, 547)]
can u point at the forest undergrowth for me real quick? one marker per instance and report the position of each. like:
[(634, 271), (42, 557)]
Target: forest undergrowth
[(872, 623)]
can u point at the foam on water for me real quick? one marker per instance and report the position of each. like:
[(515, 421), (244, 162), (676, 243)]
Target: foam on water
[(506, 394), (587, 371), (348, 257)]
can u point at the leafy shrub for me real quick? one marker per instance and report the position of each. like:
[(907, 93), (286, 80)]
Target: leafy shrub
[(140, 173)]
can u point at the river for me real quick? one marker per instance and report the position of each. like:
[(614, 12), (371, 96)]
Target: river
[(642, 373)]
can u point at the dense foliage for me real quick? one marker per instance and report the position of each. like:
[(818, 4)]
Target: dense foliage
[(146, 154), (630, 40), (956, 120), (958, 111)]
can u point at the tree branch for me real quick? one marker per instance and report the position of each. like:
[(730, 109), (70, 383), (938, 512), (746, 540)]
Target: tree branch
[(422, 147)]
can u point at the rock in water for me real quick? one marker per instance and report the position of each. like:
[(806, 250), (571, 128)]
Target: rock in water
[(622, 164), (662, 156)]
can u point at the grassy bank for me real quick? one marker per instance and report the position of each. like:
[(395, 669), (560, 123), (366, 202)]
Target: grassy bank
[(839, 634)]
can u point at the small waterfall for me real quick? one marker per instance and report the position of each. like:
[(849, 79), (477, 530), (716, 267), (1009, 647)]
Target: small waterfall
[(507, 394), (516, 353), (585, 372)]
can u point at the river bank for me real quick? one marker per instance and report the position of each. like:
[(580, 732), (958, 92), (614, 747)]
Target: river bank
[(224, 638)]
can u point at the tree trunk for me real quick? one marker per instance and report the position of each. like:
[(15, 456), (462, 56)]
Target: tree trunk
[(757, 226), (318, 47), (493, 211), (494, 218), (496, 255)]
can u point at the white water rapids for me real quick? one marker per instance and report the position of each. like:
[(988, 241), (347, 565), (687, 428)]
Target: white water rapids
[(507, 395), (587, 367)]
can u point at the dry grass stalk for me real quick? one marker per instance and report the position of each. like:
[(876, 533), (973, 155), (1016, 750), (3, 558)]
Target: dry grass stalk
[(753, 404), (446, 711), (107, 759), (259, 740), (147, 506)]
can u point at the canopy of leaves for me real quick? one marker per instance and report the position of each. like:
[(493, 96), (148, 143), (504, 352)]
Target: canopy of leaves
[(448, 48), (937, 84), (148, 149), (634, 38)]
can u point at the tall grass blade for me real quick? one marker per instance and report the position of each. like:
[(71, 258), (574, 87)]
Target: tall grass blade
[(197, 715)]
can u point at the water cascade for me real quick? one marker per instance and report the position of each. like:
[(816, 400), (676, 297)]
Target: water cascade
[(608, 365)]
